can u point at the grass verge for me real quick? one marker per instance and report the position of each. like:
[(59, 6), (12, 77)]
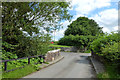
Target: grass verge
[(111, 72), (88, 51), (19, 73)]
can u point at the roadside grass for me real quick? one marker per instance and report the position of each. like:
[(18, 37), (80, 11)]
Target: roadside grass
[(111, 72), (88, 51), (54, 45), (19, 73), (19, 63)]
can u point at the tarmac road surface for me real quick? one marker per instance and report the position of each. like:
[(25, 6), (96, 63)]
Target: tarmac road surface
[(73, 65)]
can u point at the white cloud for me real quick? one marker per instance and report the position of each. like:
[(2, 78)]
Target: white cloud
[(65, 23), (76, 16), (115, 28), (86, 6), (106, 30), (115, 1), (107, 18), (59, 34)]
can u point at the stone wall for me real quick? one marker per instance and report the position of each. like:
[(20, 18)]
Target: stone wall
[(52, 55), (69, 49), (96, 56)]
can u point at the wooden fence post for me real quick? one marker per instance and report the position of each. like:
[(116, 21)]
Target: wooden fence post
[(28, 60), (5, 66)]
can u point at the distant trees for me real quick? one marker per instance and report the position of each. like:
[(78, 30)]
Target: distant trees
[(83, 26), (81, 33)]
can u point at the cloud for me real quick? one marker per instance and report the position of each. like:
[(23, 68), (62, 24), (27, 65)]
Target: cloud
[(105, 29), (115, 1), (59, 34), (107, 18), (115, 28), (76, 16), (86, 6)]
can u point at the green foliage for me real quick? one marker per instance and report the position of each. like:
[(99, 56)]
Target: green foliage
[(23, 26), (36, 66), (111, 72), (111, 52), (55, 42), (88, 51), (23, 62), (21, 23), (81, 33), (19, 73), (78, 41), (107, 46), (83, 26)]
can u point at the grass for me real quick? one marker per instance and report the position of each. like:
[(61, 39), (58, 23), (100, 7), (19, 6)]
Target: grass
[(53, 45), (88, 51), (111, 72), (19, 72), (19, 63)]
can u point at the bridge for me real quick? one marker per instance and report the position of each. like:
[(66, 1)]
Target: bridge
[(73, 65)]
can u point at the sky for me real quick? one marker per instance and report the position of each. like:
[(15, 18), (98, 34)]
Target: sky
[(104, 12)]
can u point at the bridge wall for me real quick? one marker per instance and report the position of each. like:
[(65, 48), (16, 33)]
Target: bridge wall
[(52, 55)]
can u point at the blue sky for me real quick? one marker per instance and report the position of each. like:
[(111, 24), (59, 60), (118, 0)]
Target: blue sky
[(104, 12)]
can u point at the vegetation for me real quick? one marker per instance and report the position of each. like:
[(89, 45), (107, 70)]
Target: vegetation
[(24, 26), (22, 30), (52, 45), (23, 62), (107, 46), (19, 72), (81, 33), (54, 42), (83, 26), (85, 34), (111, 72)]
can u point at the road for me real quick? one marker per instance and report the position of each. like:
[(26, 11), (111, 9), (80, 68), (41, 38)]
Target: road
[(73, 65)]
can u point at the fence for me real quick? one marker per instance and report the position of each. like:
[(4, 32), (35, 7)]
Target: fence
[(50, 56), (5, 61)]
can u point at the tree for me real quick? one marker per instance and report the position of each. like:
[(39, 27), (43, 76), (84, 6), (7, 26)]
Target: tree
[(22, 20), (81, 33), (81, 42), (83, 26)]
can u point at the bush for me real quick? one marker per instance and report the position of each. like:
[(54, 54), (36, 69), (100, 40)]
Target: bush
[(106, 46), (111, 52), (55, 42), (78, 41), (67, 40)]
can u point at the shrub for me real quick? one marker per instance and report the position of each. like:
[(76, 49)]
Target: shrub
[(111, 52), (78, 41), (106, 46)]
